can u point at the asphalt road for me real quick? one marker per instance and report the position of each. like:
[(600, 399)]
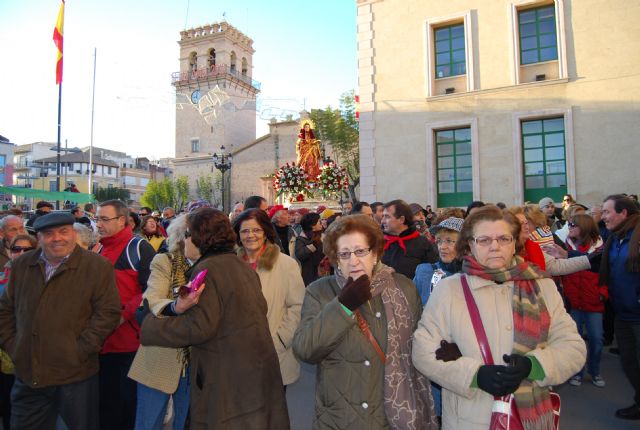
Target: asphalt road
[(584, 407)]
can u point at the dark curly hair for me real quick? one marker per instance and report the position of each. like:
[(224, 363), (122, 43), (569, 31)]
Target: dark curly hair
[(353, 224), (260, 217), (209, 229)]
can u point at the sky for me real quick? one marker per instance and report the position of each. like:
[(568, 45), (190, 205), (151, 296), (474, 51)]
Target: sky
[(305, 57)]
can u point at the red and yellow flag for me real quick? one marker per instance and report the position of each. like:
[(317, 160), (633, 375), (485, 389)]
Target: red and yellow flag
[(57, 39)]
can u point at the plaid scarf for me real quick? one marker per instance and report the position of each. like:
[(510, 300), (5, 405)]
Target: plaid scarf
[(408, 404), (531, 321)]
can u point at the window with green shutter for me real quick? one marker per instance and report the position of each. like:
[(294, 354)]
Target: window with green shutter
[(450, 52), (453, 167), (544, 159), (537, 29)]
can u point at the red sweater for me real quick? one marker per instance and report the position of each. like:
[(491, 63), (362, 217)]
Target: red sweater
[(581, 288)]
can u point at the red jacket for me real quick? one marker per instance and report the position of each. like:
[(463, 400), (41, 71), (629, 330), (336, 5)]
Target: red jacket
[(581, 288), (131, 282)]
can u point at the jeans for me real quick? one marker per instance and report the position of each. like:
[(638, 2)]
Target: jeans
[(628, 337), (593, 323), (152, 405)]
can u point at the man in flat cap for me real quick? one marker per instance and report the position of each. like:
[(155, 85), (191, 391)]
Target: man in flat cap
[(60, 304)]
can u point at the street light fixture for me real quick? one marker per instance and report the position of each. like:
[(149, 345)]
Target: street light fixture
[(223, 163)]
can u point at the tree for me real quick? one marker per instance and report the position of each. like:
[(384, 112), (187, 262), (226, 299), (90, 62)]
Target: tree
[(339, 128), (114, 193), (204, 187), (160, 194)]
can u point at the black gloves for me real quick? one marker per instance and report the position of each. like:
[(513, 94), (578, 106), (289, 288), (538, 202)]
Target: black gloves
[(448, 351), (502, 380), (142, 312), (595, 258), (355, 293)]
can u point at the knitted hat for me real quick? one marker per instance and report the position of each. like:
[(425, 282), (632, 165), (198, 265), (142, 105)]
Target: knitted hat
[(326, 213), (451, 223), (320, 209), (197, 204), (303, 211), (275, 209), (545, 201)]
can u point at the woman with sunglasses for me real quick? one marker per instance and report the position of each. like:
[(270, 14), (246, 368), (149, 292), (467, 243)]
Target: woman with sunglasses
[(533, 341), (357, 327), (586, 296), (19, 245)]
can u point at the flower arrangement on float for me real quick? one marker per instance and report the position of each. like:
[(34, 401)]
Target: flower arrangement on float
[(291, 179), (332, 180)]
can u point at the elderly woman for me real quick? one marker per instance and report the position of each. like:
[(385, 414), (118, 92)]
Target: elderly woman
[(282, 284), (235, 377), (357, 326), (159, 371), (533, 340), (86, 238)]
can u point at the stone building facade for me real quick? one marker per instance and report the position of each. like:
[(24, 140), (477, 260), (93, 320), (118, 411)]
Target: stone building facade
[(508, 100), (215, 97)]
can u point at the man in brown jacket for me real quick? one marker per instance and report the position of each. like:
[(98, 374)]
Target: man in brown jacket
[(59, 306)]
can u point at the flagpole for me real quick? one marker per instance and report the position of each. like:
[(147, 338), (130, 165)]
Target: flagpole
[(58, 147), (93, 100)]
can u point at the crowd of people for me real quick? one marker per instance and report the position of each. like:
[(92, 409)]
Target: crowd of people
[(116, 318)]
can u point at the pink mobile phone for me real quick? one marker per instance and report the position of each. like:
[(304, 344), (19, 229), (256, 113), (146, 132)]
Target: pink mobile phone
[(196, 283)]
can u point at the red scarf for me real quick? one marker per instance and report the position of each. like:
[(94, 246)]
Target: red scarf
[(400, 240), (533, 254)]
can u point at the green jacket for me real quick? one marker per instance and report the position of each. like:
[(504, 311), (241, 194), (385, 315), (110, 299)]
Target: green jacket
[(350, 379), (53, 331)]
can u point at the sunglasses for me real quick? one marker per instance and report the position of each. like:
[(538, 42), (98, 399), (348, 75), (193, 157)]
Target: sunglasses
[(187, 234), (572, 225), (21, 248)]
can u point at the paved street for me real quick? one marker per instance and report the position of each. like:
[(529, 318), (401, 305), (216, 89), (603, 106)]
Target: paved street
[(584, 407)]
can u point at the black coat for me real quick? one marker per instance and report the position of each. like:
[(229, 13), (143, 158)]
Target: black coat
[(419, 250), (309, 255)]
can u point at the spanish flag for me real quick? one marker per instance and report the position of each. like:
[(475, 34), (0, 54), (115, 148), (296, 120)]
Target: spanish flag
[(57, 39)]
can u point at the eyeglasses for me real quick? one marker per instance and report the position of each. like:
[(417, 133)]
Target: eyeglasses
[(346, 255), (485, 241), (572, 225), (187, 234), (566, 200), (103, 219), (143, 214), (255, 231), (447, 242), (17, 249)]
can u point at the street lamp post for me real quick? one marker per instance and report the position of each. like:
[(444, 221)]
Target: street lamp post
[(223, 163)]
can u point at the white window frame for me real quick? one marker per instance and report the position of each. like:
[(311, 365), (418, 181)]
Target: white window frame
[(561, 37), (432, 180), (429, 51), (516, 128)]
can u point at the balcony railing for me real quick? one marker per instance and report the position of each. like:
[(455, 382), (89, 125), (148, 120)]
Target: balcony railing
[(216, 71)]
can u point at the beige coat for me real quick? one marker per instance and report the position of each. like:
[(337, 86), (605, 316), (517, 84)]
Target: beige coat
[(446, 317), (283, 288), (157, 366)]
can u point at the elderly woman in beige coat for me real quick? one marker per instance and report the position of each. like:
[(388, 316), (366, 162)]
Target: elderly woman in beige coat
[(511, 294), (159, 371), (282, 284)]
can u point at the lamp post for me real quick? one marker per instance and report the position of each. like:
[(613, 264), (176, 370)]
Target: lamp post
[(223, 163)]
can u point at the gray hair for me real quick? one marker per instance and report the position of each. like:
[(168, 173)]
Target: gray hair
[(175, 232), (85, 234), (4, 220)]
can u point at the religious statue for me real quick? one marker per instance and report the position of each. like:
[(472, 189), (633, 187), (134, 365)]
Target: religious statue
[(308, 150)]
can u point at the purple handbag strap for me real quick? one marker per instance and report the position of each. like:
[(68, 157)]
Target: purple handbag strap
[(478, 328)]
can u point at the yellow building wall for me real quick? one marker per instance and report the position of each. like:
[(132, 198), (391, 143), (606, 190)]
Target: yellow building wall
[(602, 92)]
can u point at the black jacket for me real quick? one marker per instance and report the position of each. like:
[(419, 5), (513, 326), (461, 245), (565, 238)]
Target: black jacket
[(309, 255), (419, 250)]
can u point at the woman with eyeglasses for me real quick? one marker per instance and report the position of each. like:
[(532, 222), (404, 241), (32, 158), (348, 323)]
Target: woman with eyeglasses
[(357, 327), (19, 245), (533, 341), (282, 284), (586, 297)]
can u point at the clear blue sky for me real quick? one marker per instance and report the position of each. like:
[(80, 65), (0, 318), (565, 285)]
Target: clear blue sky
[(305, 52)]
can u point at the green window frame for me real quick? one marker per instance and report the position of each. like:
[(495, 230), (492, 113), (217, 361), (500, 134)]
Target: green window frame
[(454, 171), (544, 159), (537, 34), (450, 55)]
